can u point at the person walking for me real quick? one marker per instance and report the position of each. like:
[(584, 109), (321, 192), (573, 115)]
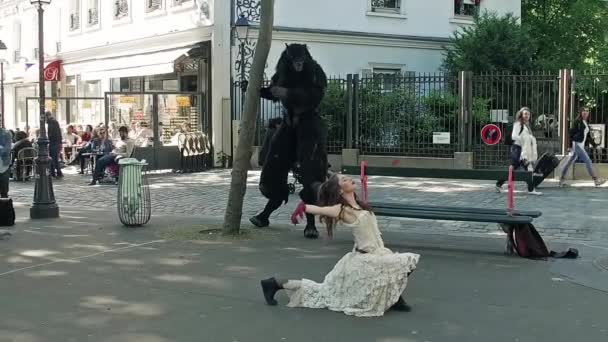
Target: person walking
[(55, 145), (523, 151), (6, 142), (580, 136)]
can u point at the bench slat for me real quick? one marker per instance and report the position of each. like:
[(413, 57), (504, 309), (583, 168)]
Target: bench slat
[(484, 174), (452, 216), (378, 205)]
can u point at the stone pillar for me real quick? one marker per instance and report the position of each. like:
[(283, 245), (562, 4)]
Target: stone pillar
[(463, 160), (350, 157), (220, 59)]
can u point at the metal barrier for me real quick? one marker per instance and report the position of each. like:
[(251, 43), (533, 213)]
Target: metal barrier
[(436, 114)]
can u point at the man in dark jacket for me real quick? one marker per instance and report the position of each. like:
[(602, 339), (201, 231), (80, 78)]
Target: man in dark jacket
[(55, 144)]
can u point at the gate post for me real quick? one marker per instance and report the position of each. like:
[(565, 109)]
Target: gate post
[(349, 111), (465, 94), (355, 101), (564, 107)]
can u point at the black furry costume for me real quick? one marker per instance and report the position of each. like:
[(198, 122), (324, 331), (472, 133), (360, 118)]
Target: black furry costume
[(301, 139)]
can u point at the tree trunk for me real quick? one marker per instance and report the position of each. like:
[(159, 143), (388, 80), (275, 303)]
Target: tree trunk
[(242, 160)]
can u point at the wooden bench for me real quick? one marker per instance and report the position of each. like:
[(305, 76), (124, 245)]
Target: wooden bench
[(429, 208), (483, 174)]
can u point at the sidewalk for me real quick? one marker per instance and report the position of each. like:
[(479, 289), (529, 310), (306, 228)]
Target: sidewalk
[(577, 213), (84, 277)]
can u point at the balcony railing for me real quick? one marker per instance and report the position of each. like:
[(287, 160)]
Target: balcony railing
[(386, 5), (153, 5), (180, 2)]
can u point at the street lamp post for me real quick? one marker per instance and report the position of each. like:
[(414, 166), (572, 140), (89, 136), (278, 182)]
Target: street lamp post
[(3, 51), (44, 205), (242, 34)]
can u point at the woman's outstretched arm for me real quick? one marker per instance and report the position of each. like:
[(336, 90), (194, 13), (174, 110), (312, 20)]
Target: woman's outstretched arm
[(333, 211)]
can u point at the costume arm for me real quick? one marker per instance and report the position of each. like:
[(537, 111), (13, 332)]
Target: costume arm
[(265, 91), (310, 96)]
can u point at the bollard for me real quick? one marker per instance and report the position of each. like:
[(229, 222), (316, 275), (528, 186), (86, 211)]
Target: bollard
[(363, 182), (510, 198)]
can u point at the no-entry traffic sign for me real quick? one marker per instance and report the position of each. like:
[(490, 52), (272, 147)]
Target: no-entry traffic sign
[(490, 134)]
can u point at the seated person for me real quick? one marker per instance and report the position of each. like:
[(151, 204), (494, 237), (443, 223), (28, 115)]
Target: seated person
[(121, 150), (22, 141)]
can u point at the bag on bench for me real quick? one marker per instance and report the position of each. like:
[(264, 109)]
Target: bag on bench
[(7, 212)]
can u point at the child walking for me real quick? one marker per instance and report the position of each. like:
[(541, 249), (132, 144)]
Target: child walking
[(580, 136), (367, 281)]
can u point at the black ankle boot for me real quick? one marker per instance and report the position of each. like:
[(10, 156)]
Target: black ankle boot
[(270, 287), (259, 222), (401, 306)]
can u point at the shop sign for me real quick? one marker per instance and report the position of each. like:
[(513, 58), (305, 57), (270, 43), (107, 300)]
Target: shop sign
[(183, 101), (50, 105), (127, 99)]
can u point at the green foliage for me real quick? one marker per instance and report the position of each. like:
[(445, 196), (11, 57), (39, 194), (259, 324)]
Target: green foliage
[(553, 34), (334, 107), (569, 34), (493, 44)]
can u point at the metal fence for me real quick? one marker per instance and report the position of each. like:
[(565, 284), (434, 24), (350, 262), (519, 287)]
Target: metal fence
[(496, 98), (436, 114)]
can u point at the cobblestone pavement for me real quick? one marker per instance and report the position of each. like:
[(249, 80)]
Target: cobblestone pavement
[(576, 213)]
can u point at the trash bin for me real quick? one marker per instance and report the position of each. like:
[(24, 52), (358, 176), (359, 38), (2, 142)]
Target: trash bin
[(134, 207)]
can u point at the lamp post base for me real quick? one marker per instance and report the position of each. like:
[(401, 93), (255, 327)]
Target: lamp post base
[(44, 211)]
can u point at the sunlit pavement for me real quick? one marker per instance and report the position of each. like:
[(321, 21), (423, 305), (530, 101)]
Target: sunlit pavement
[(576, 213), (85, 277)]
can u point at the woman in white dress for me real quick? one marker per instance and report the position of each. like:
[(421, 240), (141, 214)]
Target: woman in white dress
[(367, 281)]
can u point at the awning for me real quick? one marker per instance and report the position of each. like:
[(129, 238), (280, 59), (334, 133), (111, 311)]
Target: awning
[(51, 72), (138, 65)]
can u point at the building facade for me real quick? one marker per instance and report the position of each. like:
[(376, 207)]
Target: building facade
[(93, 47), (370, 36), (119, 61)]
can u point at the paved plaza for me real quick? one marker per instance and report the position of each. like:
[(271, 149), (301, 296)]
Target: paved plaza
[(576, 213), (85, 277)]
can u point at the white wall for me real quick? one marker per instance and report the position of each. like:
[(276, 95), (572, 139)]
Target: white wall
[(139, 25), (342, 59), (429, 18)]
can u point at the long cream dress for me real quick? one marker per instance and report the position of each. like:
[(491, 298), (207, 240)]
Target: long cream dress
[(360, 284)]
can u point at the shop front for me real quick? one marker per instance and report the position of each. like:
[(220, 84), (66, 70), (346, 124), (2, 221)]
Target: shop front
[(166, 127)]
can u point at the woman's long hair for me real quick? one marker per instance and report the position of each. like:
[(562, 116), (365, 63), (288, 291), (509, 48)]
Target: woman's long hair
[(329, 195), (580, 112), (520, 117)]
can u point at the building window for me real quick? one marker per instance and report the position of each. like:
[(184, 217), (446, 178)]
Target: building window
[(387, 78), (74, 15), (93, 13), (468, 8), (121, 9), (390, 6), (36, 54), (153, 5), (17, 56)]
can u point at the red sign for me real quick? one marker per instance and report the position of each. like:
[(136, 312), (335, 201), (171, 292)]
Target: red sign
[(490, 134), (51, 71)]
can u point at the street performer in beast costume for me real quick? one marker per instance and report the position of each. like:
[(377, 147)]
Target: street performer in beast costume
[(299, 83)]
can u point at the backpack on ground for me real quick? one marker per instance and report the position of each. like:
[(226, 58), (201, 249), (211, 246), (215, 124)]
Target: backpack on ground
[(7, 212), (525, 240)]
